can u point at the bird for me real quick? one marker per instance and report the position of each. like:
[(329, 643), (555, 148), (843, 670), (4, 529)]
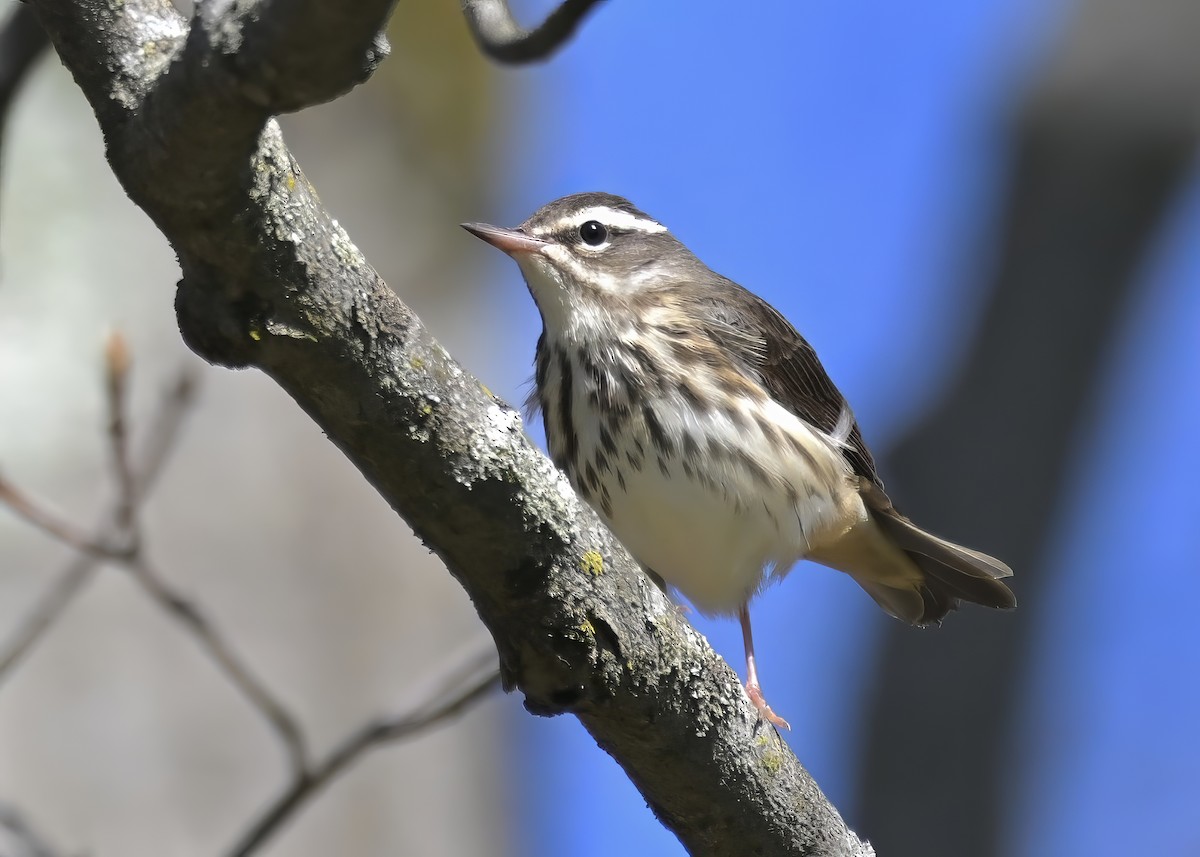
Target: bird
[(704, 430)]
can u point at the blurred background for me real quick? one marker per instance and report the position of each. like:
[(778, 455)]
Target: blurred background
[(986, 218)]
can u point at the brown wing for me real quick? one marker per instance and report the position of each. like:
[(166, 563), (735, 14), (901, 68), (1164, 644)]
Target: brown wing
[(753, 333), (761, 339)]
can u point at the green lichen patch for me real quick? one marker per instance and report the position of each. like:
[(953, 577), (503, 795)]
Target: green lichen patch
[(773, 762), (592, 562)]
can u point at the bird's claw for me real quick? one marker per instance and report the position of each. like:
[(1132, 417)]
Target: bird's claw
[(764, 711)]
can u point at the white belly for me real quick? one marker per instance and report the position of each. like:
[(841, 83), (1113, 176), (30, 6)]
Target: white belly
[(715, 554), (726, 504)]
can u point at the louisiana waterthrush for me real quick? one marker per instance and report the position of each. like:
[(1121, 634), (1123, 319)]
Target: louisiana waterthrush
[(706, 432)]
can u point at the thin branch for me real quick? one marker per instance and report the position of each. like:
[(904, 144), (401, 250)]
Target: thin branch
[(202, 629), (504, 40), (36, 515), (305, 782), (122, 529), (116, 372), (161, 439), (133, 483), (33, 844), (50, 605), (458, 694), (186, 612), (165, 427)]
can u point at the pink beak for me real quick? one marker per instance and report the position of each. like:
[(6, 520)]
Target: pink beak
[(511, 241)]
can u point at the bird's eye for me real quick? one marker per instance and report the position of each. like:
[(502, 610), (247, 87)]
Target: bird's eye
[(593, 233)]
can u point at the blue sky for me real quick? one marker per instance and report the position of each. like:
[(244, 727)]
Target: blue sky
[(843, 159)]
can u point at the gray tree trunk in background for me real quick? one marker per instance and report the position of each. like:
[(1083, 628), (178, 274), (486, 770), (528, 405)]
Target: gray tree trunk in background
[(1100, 150)]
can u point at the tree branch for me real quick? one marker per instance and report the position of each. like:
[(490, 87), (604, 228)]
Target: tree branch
[(231, 664), (160, 440), (36, 515), (464, 689), (45, 612), (306, 780), (120, 540), (270, 280), (20, 832), (504, 40)]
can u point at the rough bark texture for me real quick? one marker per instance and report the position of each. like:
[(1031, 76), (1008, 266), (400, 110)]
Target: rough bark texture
[(1101, 148), (270, 281)]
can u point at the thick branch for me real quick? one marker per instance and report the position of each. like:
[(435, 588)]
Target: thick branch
[(291, 54), (504, 40), (273, 282)]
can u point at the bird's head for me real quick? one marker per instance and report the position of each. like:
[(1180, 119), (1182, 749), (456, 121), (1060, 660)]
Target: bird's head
[(591, 253)]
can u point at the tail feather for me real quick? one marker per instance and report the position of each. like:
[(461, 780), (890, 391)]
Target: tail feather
[(913, 540), (927, 577), (955, 582), (913, 604)]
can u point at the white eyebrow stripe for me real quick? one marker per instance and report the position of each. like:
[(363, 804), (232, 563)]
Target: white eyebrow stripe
[(614, 217)]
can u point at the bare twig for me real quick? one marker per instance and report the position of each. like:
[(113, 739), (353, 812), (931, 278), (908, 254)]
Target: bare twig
[(122, 530), (228, 661), (116, 373), (22, 833), (504, 40), (464, 687), (113, 542), (160, 440), (50, 605), (185, 611), (164, 431), (33, 513), (461, 690)]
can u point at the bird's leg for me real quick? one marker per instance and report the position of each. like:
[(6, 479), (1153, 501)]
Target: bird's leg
[(753, 688)]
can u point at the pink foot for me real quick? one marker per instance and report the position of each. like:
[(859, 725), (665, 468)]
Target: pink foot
[(764, 711)]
